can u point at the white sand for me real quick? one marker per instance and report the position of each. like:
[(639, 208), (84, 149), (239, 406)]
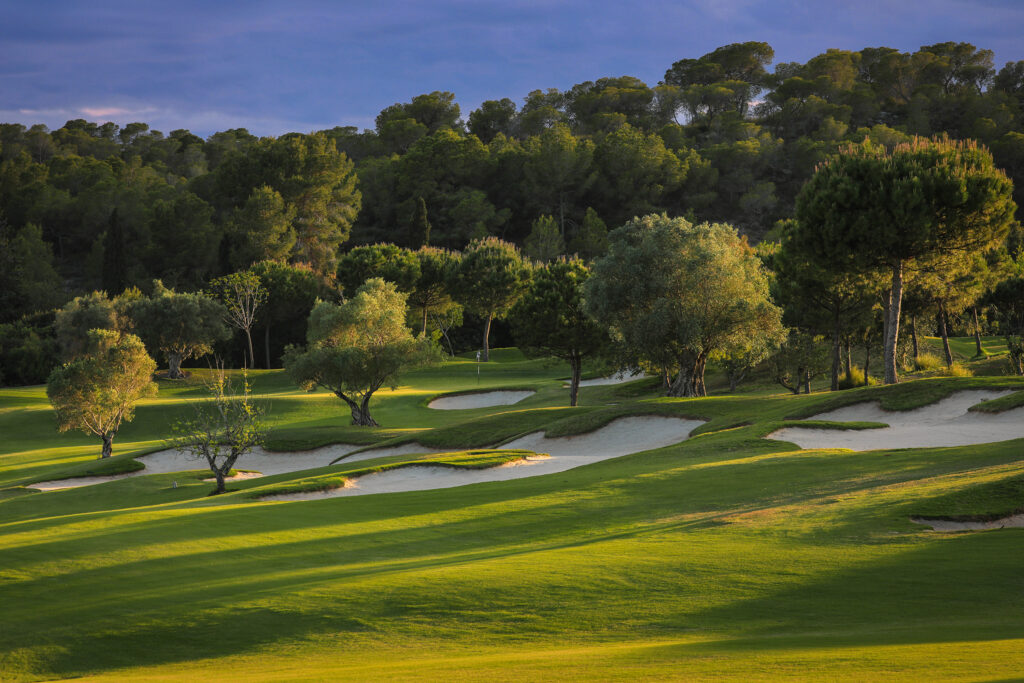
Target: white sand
[(945, 423), (1013, 521), (622, 437), (171, 460), (484, 399), (624, 376)]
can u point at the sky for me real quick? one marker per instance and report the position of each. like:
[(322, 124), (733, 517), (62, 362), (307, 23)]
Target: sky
[(304, 65)]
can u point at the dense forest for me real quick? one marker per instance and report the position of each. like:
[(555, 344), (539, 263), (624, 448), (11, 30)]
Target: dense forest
[(722, 138)]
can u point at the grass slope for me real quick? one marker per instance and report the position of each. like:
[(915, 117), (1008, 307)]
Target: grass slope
[(728, 555)]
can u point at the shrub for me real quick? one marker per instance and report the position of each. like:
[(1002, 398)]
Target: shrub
[(957, 369), (856, 379), (929, 361)]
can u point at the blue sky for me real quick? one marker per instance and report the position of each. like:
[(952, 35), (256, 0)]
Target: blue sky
[(275, 67)]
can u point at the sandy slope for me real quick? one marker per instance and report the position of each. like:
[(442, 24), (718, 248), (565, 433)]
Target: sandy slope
[(945, 423), (484, 399), (614, 379), (1013, 521), (621, 437)]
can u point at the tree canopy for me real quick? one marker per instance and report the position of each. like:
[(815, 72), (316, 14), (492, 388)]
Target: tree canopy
[(359, 346)]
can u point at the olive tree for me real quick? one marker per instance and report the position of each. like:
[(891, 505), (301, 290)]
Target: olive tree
[(674, 293), (357, 347), (492, 277), (867, 208), (221, 430), (550, 319), (242, 294), (179, 325), (98, 390)]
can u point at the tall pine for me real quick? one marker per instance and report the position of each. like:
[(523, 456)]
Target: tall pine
[(114, 277), (419, 231)]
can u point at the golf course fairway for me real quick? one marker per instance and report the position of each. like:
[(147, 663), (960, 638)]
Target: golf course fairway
[(724, 555)]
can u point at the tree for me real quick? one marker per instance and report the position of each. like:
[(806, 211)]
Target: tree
[(80, 315), (222, 430), (798, 359), (262, 229), (28, 281), (674, 293), (419, 234), (386, 261), (291, 293), (242, 294), (868, 208), (492, 277), (550, 319), (115, 264), (179, 325), (359, 346), (98, 391), (439, 269), (544, 243), (591, 239), (816, 298)]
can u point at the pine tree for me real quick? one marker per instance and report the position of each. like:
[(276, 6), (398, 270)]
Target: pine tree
[(419, 232), (114, 278)]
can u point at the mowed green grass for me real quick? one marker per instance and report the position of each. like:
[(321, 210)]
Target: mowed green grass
[(728, 555)]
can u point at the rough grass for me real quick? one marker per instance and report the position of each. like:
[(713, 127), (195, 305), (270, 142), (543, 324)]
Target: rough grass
[(725, 556)]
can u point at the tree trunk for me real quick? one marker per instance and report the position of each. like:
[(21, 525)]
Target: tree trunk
[(867, 362), (849, 358), (487, 335), (174, 365), (252, 356), (892, 323), (977, 333), (576, 363), (913, 337), (425, 309), (807, 381), (682, 386), (944, 331), (836, 353), (360, 411), (666, 378), (108, 445), (220, 481), (266, 343), (698, 375)]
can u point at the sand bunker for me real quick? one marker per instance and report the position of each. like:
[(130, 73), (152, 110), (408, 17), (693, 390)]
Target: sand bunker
[(945, 423), (622, 437), (486, 399), (624, 376), (1013, 521)]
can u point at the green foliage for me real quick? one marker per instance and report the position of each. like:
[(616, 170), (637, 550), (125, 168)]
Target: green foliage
[(28, 350), (291, 293), (674, 293), (115, 266), (179, 325), (439, 270), (222, 429), (80, 315), (28, 281), (591, 238), (869, 208), (955, 369), (492, 276), (385, 261), (544, 243), (419, 234), (263, 229), (798, 360), (550, 318), (98, 390), (357, 347)]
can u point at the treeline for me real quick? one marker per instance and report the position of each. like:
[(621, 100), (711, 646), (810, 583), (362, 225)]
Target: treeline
[(721, 138)]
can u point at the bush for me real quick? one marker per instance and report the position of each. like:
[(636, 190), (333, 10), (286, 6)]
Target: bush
[(957, 369), (929, 361), (856, 379)]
